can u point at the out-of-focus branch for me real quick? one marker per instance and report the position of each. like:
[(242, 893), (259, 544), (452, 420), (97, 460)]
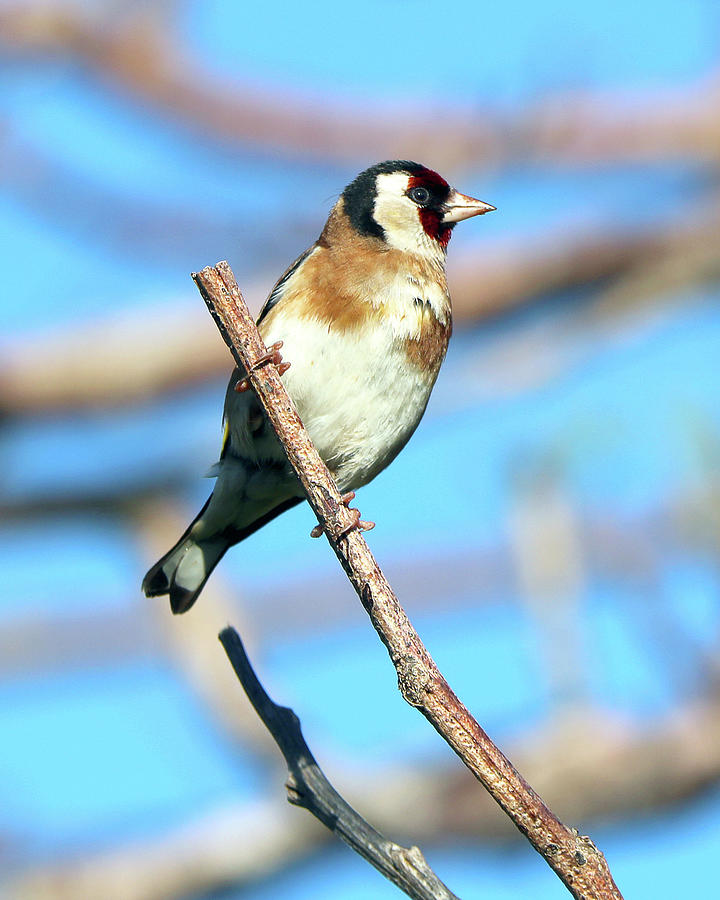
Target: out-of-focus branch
[(142, 353), (664, 763), (575, 859), (515, 273), (308, 787), (630, 550), (140, 228), (224, 847), (137, 355), (156, 525), (137, 50)]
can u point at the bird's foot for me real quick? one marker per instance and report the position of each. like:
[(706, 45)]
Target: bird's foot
[(356, 523), (272, 356)]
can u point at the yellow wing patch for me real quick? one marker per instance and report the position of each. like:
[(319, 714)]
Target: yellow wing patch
[(226, 439)]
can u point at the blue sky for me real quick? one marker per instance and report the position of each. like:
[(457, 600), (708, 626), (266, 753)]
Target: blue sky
[(134, 751)]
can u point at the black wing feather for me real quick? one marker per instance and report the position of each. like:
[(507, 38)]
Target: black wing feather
[(276, 292), (271, 301)]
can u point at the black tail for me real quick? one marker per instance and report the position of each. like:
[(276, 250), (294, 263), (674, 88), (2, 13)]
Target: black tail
[(184, 569)]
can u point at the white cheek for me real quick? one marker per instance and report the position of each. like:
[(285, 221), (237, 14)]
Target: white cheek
[(399, 218)]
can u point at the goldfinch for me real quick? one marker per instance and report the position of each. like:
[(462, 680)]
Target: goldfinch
[(365, 318)]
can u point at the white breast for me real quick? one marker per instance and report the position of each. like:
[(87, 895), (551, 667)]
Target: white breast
[(355, 391)]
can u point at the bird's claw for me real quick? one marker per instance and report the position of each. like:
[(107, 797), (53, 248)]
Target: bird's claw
[(356, 523), (272, 356)]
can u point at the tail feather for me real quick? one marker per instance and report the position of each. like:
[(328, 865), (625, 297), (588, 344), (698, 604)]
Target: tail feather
[(193, 569), (184, 569)]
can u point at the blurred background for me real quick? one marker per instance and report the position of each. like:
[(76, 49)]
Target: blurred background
[(552, 529)]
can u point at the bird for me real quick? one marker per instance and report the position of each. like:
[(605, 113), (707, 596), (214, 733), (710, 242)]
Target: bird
[(364, 317)]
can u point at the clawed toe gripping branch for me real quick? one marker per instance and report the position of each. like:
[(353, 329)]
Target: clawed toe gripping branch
[(575, 859), (272, 356), (355, 521)]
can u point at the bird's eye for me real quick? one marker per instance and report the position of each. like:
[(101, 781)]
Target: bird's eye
[(419, 195)]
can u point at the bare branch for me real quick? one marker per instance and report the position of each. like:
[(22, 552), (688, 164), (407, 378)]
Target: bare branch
[(574, 858), (518, 272), (239, 843), (133, 356), (248, 842), (158, 350), (136, 49), (192, 651), (307, 786)]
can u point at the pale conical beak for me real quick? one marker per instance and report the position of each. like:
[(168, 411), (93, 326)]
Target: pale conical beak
[(460, 206)]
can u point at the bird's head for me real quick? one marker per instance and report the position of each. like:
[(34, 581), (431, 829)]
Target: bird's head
[(408, 206)]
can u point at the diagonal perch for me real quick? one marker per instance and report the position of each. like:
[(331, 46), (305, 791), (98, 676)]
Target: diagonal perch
[(575, 859)]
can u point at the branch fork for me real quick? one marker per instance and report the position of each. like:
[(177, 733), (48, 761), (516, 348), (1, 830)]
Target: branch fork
[(574, 858)]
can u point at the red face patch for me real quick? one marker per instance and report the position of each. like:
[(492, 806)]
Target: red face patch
[(431, 213), (435, 183), (433, 226)]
